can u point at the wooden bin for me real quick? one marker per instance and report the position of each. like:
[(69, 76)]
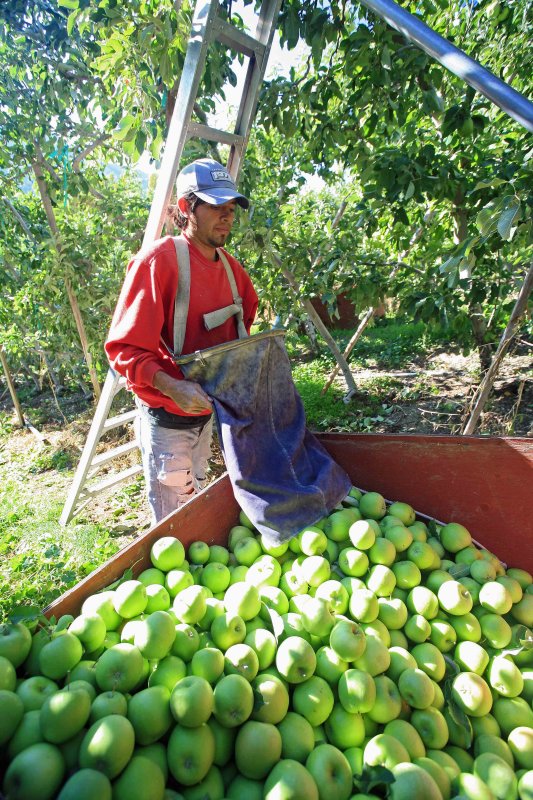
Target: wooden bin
[(484, 483)]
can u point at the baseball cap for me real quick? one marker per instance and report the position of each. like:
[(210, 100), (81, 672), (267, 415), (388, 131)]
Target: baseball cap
[(209, 181)]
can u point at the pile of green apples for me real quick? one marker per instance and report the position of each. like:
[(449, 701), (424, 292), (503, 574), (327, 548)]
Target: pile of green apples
[(374, 655)]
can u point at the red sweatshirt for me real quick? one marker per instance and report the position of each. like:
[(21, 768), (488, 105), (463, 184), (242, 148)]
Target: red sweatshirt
[(145, 311)]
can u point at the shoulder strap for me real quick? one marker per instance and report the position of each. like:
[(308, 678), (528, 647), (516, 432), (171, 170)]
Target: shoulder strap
[(237, 299), (181, 303)]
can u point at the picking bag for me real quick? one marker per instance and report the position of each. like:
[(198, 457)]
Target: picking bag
[(282, 477)]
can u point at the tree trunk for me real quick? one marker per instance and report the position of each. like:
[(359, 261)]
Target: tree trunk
[(479, 328), (11, 387), (319, 325), (50, 216), (485, 386)]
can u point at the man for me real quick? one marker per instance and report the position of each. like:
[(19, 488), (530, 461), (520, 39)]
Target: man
[(175, 415)]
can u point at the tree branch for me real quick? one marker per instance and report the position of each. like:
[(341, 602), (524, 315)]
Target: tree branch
[(20, 219)]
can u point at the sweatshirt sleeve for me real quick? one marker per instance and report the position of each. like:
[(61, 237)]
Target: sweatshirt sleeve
[(134, 340)]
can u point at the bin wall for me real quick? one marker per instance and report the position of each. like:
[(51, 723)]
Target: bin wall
[(486, 484)]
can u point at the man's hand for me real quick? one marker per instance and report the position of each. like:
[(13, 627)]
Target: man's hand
[(188, 395)]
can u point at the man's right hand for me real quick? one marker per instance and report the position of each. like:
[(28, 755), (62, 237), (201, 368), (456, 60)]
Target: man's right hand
[(188, 395)]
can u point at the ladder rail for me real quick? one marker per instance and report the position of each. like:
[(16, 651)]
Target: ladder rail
[(206, 27)]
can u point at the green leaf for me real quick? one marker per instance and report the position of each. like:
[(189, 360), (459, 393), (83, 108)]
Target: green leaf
[(124, 127), (505, 222), (410, 191), (73, 4)]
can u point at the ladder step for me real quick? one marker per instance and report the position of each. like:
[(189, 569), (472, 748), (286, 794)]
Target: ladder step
[(109, 455), (120, 419), (112, 480), (212, 134), (237, 40)]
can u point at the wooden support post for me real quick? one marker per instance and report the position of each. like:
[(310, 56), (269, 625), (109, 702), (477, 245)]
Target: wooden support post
[(11, 387), (485, 387)]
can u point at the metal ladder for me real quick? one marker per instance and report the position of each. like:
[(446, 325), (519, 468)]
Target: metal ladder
[(207, 27)]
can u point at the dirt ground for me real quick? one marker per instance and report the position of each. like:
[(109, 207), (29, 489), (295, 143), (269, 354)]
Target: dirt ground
[(432, 397)]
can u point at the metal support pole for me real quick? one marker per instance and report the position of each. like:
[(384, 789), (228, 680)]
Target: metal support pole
[(507, 98)]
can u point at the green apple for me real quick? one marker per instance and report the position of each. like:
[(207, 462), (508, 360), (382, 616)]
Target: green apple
[(400, 536), (271, 698), (241, 659), (335, 593), (186, 641), (407, 574), (377, 629), (152, 576), (471, 657), (443, 635), (64, 714), (11, 714), (468, 785), (400, 659), (60, 655), (430, 659), (313, 699), (236, 533), (363, 605), (455, 598), (422, 600), (388, 702), (108, 745), (140, 771), (208, 663), (496, 630), (467, 627), (233, 700), (313, 541), (353, 562), (90, 630), (329, 665), (167, 672), (35, 774), (295, 659), (215, 576), (363, 533), (344, 729), (331, 771), (504, 676), (512, 712), (384, 750), (375, 659), (265, 571), (228, 629), (472, 693), (314, 570), (357, 691), (264, 644), (382, 552), (189, 605), (520, 741), (380, 580), (297, 740), (35, 690), (317, 616), (490, 743), (27, 732), (496, 774), (348, 640), (290, 779), (15, 642), (106, 703), (167, 553), (191, 752), (246, 550), (120, 668), (421, 554), (392, 612), (432, 727), (243, 600), (154, 636), (416, 688), (257, 749), (130, 599), (337, 525), (191, 701), (417, 628), (437, 772), (176, 580), (407, 734)]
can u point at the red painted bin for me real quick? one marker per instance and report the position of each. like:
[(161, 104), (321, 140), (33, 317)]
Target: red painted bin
[(484, 483)]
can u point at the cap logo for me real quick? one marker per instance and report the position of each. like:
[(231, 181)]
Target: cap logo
[(220, 175)]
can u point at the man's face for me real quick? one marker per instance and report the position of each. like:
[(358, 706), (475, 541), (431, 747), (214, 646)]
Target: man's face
[(211, 225)]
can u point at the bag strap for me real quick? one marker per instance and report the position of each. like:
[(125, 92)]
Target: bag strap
[(237, 299), (181, 303)]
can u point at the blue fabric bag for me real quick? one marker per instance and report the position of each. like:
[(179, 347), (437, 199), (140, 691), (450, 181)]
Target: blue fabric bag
[(281, 475)]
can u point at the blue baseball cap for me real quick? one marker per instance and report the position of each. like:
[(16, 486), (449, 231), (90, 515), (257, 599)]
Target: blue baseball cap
[(209, 181)]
